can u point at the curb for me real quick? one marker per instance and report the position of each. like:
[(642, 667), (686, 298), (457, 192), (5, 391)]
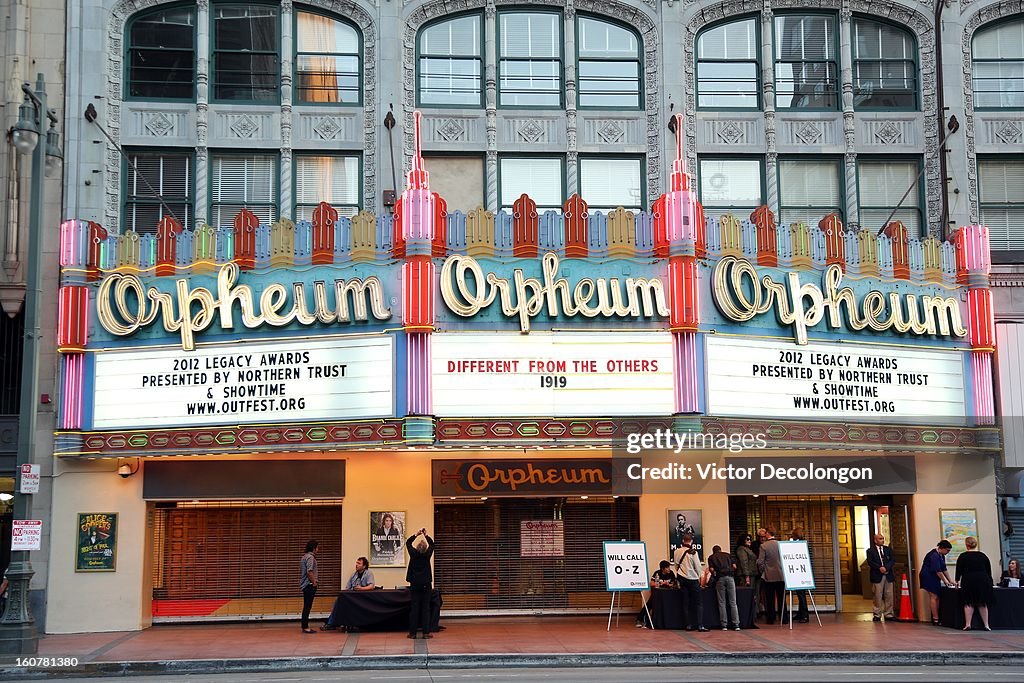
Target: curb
[(653, 659)]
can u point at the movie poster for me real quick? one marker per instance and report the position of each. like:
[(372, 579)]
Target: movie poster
[(681, 522), (97, 542), (387, 539)]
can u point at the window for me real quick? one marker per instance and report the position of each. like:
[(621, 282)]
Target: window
[(727, 66), (998, 53), (450, 63), (161, 54), (529, 60), (459, 179), (880, 185), (539, 177), (169, 177), (1001, 191), (884, 66), (609, 65), (245, 53), (331, 179), (326, 60), (805, 62), (608, 183), (243, 181), (731, 186), (809, 191)]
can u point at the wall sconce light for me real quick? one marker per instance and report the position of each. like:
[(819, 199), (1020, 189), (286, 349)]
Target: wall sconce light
[(125, 469)]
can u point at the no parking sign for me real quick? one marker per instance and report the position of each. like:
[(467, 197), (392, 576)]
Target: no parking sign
[(625, 565)]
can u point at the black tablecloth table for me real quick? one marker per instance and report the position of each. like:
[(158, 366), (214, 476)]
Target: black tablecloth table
[(380, 610), (1005, 611), (668, 612)]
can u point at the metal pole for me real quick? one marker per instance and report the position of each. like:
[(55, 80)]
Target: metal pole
[(18, 633)]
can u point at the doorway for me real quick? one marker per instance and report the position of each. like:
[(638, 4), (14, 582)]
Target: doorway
[(854, 525)]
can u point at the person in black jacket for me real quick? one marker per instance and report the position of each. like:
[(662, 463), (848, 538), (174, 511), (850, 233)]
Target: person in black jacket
[(421, 579), (882, 565)]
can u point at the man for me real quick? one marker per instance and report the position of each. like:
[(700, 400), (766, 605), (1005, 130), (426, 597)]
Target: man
[(682, 527), (722, 567), (664, 578), (361, 580), (688, 569), (308, 582), (769, 563), (881, 562)]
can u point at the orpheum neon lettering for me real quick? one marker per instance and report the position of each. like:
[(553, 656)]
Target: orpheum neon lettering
[(740, 295), (124, 306), (480, 477), (467, 291)]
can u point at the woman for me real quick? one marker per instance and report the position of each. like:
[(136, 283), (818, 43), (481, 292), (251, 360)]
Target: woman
[(1012, 572), (308, 582), (934, 575), (746, 563), (421, 579), (974, 574)]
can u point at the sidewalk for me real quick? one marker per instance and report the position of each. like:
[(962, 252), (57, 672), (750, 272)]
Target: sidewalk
[(516, 641)]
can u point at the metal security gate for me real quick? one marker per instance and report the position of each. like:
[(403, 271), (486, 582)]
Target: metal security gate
[(480, 566), (236, 560)]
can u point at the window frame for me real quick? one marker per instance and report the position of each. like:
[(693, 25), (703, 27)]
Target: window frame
[(837, 60), (762, 167), (625, 156), (482, 59), (840, 174), (1004, 255), (921, 207), (990, 25), (126, 170), (759, 93), (221, 152), (639, 62), (560, 59), (356, 154), (466, 154), (213, 52), (309, 9), (128, 46), (915, 60), (518, 155)]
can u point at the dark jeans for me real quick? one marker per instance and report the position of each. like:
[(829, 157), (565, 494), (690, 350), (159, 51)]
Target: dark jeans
[(774, 596), (691, 602), (419, 611), (308, 593)]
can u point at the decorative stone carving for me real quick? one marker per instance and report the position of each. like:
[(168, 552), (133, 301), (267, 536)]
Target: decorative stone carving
[(327, 127), (730, 133), (245, 127), (1009, 132), (452, 130), (530, 132), (888, 133), (611, 132), (809, 132), (158, 124)]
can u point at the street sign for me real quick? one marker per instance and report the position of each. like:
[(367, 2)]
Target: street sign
[(27, 534), (796, 565), (625, 565), (29, 479)]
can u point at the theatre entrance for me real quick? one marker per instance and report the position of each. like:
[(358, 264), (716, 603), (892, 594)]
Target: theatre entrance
[(838, 531), (529, 555)]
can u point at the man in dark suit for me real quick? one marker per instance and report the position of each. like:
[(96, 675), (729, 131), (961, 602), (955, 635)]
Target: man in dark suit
[(881, 562), (769, 562)]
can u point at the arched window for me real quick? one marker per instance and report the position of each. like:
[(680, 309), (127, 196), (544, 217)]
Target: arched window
[(998, 53), (451, 62), (529, 59), (806, 70), (727, 66), (327, 55), (884, 66), (246, 52), (162, 54), (609, 65)]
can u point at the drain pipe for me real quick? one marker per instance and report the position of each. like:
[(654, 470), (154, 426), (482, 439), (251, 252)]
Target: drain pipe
[(941, 115)]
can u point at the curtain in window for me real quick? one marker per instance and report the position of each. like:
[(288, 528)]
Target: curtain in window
[(243, 181), (157, 176), (1001, 191), (530, 62), (609, 65), (540, 178), (881, 185), (450, 62), (318, 80), (808, 190), (730, 186), (331, 179), (606, 184)]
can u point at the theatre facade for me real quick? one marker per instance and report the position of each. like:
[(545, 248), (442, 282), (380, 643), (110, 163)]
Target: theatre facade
[(523, 385)]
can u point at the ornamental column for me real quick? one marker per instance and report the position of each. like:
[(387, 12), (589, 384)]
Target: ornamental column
[(973, 263), (684, 230), (417, 231)]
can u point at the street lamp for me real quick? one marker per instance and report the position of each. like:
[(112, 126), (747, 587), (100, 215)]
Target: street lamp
[(18, 634)]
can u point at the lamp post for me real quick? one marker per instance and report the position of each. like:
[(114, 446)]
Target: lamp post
[(18, 633)]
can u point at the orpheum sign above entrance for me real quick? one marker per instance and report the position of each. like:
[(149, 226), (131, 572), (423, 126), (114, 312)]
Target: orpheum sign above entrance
[(740, 295)]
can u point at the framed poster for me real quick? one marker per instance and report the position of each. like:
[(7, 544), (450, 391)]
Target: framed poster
[(685, 521), (387, 539), (97, 542), (956, 525)]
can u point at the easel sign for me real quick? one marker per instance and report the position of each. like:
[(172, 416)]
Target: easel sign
[(625, 569), (797, 572)]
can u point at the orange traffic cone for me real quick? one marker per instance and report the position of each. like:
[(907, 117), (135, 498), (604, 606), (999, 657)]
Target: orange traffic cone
[(906, 611)]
